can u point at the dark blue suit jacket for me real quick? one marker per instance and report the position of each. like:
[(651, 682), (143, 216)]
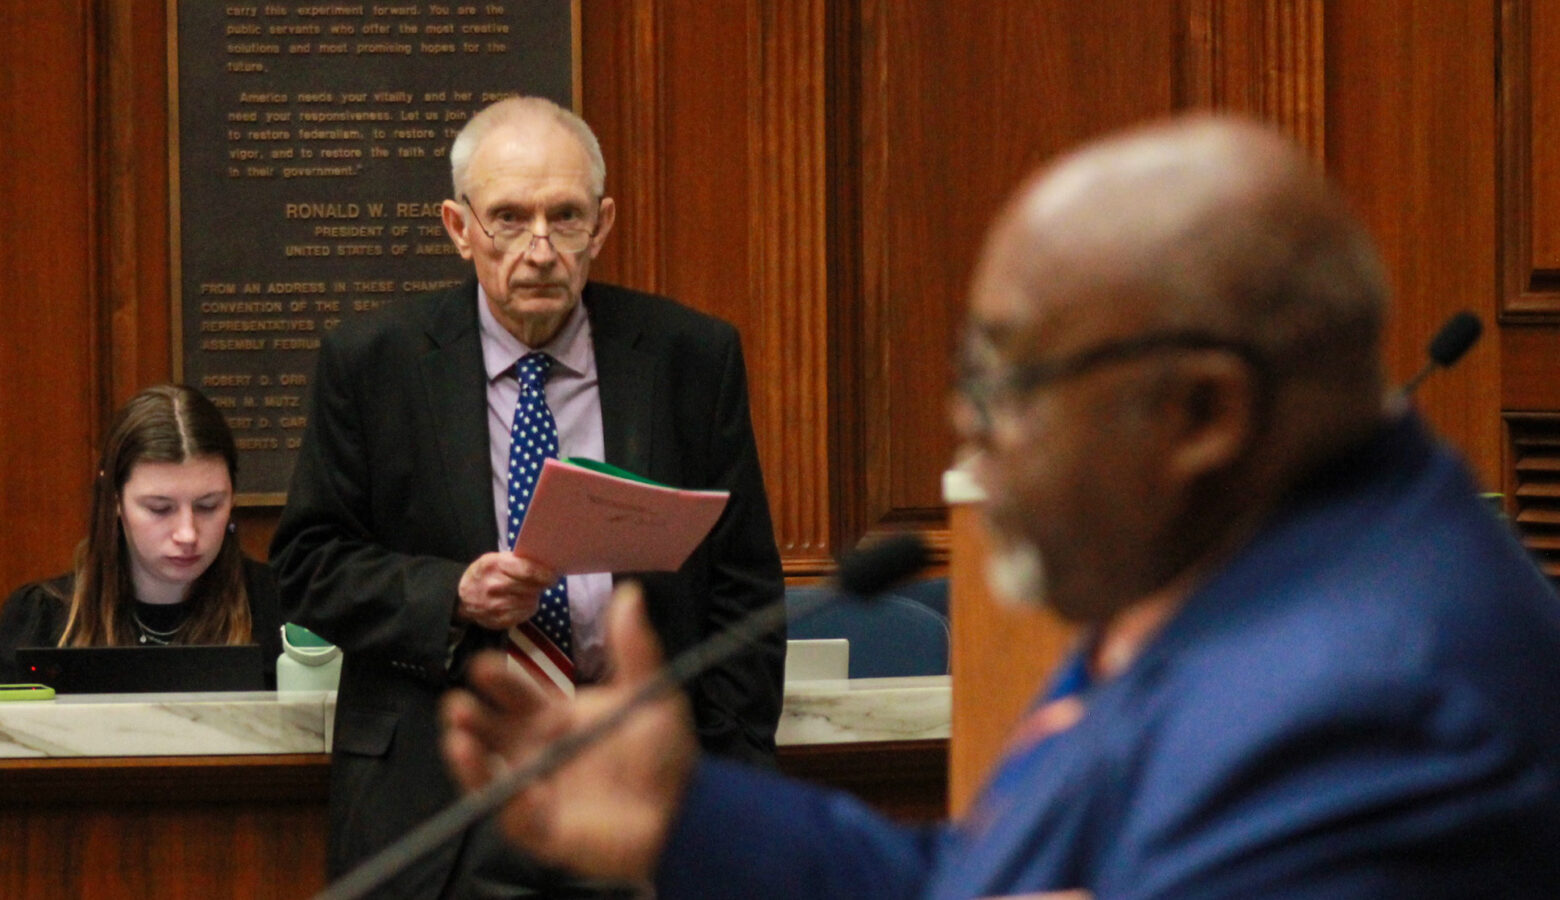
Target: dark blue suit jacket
[(1364, 703)]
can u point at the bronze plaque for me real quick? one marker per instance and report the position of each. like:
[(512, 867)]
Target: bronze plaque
[(309, 159)]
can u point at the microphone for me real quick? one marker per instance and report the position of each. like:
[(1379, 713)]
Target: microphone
[(882, 565), (1454, 339), (863, 573)]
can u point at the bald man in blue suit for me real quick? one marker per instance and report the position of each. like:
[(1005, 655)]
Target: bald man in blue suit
[(1316, 664)]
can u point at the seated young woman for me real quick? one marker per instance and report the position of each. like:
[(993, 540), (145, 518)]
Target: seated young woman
[(161, 563)]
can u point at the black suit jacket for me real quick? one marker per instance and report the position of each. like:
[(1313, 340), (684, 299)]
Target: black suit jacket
[(391, 499)]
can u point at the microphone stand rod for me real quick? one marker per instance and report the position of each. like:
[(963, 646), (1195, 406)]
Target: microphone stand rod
[(465, 812)]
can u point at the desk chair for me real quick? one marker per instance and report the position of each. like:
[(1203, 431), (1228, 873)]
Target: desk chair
[(889, 636)]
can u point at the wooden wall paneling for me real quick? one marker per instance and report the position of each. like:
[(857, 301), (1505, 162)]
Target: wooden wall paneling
[(119, 224), (133, 240), (787, 244), (1529, 126), (706, 105), (847, 257), (1530, 66), (148, 169), (1529, 193), (1410, 136), (956, 109), (1294, 71), (1530, 369), (1202, 40), (49, 393), (621, 99), (714, 115), (1263, 58)]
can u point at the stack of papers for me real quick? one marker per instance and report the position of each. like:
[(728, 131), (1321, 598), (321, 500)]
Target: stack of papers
[(588, 516)]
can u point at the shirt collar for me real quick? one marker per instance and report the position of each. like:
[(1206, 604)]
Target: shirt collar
[(570, 347)]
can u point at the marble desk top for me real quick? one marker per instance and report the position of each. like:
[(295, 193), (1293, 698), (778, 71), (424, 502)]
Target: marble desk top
[(214, 724)]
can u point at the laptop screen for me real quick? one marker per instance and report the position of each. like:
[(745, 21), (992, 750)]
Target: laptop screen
[(137, 670)]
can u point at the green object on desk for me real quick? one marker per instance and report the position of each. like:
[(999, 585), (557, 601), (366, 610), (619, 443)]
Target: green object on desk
[(26, 692), (298, 636)]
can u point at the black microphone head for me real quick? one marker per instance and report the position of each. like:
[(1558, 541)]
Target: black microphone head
[(1455, 337), (870, 570)]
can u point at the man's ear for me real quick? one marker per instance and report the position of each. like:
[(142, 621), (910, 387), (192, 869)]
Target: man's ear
[(456, 225), (604, 219), (1214, 415)]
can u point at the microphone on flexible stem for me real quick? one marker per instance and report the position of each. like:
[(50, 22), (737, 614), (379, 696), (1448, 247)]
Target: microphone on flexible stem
[(1459, 333), (862, 574), (877, 568)]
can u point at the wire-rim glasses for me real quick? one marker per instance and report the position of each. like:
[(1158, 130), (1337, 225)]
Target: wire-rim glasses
[(986, 391), (505, 234)]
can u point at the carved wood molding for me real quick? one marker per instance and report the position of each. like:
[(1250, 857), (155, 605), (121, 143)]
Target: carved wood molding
[(115, 213), (864, 368), (846, 188), (1294, 74), (110, 196), (627, 112), (869, 338), (130, 69), (1265, 58), (1529, 293), (872, 326), (788, 266)]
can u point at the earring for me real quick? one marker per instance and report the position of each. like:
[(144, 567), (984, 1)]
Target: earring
[(232, 528)]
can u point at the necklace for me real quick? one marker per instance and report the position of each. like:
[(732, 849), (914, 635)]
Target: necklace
[(150, 635)]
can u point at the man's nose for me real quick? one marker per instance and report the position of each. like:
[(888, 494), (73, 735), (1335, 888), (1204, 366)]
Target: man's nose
[(539, 250)]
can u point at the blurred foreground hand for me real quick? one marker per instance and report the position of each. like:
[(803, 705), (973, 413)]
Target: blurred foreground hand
[(605, 814)]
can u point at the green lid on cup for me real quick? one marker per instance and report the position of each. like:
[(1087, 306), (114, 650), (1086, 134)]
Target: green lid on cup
[(298, 636)]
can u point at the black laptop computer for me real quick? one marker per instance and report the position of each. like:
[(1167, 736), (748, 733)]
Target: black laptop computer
[(138, 670)]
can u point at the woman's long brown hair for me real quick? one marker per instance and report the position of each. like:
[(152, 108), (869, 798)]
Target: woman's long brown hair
[(166, 423)]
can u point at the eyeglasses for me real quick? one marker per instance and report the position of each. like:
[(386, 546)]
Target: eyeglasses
[(565, 238), (985, 391)]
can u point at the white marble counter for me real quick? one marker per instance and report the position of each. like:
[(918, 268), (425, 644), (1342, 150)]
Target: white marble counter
[(865, 709), (214, 724), (166, 724)]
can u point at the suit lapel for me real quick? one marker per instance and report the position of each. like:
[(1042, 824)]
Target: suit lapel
[(626, 377), (455, 390)]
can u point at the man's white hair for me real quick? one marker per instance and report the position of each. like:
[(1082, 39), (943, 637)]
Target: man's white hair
[(519, 109)]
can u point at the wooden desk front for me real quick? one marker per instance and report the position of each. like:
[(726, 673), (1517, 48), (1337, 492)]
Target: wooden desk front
[(243, 815), (203, 827)]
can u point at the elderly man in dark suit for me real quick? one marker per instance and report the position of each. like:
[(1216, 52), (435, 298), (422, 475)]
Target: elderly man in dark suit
[(395, 540)]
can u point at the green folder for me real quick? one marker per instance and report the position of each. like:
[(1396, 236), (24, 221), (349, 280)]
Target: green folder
[(606, 468)]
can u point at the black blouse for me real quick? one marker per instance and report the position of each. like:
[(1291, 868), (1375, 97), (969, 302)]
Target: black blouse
[(35, 614)]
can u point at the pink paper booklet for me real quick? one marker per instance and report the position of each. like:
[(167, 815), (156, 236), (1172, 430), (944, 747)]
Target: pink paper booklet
[(587, 516)]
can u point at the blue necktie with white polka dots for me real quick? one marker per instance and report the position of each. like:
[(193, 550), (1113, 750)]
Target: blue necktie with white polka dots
[(532, 439)]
